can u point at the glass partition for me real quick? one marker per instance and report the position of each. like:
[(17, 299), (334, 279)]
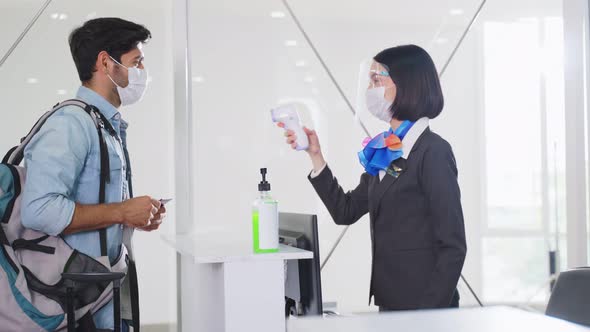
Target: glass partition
[(250, 57)]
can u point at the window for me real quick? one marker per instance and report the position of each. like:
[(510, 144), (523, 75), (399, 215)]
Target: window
[(524, 138)]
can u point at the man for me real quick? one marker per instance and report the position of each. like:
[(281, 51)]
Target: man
[(61, 194)]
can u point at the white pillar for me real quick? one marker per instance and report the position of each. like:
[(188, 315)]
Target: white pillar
[(183, 137), (183, 117), (575, 13)]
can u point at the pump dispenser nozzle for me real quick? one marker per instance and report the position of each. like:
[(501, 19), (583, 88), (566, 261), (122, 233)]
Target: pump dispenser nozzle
[(263, 185)]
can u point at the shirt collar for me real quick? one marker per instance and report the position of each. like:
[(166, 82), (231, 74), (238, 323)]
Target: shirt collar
[(93, 98), (412, 136)]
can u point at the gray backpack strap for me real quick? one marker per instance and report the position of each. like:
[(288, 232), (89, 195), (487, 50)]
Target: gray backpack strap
[(16, 154)]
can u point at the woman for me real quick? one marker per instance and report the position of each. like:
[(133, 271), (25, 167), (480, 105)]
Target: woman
[(409, 189)]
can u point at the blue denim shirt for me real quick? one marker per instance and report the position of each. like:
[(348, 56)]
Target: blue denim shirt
[(63, 168)]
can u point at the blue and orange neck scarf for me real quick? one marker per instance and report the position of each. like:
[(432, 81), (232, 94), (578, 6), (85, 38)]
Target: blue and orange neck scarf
[(383, 149)]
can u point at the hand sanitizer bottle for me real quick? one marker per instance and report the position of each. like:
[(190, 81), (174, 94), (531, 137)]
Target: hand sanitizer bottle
[(265, 219)]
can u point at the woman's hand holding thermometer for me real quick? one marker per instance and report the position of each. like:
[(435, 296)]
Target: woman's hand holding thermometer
[(300, 136), (287, 115)]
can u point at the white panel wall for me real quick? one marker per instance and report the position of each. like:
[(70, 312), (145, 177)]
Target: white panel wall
[(241, 68)]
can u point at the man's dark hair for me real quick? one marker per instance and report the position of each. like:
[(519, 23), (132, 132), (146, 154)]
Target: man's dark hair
[(113, 35), (419, 93)]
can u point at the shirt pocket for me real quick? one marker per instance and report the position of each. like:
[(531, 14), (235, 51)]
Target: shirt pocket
[(92, 168), (116, 161)]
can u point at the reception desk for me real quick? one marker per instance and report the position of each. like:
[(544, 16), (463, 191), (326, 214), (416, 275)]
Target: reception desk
[(488, 319), (225, 287)]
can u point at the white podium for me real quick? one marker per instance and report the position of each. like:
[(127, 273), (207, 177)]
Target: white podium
[(225, 287)]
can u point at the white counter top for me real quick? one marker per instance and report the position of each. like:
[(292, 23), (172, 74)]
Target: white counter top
[(488, 319), (226, 247)]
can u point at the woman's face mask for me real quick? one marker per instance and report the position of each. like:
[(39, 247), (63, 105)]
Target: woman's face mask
[(377, 104), (380, 94), (136, 87)]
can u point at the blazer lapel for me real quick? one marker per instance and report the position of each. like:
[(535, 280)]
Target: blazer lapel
[(419, 141), (394, 171)]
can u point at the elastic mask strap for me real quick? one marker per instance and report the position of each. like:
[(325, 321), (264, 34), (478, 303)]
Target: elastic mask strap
[(117, 62), (115, 83)]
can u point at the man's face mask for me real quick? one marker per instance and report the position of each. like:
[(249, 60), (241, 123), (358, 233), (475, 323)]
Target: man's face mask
[(135, 90)]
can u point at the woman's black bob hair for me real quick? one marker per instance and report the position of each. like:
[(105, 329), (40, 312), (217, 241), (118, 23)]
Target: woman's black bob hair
[(418, 87)]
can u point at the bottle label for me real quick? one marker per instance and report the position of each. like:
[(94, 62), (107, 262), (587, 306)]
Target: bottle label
[(265, 228)]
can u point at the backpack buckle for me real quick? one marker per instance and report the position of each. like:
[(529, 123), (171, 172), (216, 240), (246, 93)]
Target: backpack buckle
[(101, 123)]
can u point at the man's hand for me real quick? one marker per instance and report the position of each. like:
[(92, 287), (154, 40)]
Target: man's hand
[(139, 212), (156, 221)]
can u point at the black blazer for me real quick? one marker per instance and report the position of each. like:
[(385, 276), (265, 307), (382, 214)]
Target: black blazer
[(417, 230)]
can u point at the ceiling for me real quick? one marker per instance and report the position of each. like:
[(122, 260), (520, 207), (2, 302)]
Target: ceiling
[(344, 32)]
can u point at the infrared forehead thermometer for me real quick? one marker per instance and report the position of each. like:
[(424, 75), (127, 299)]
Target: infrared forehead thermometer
[(287, 114)]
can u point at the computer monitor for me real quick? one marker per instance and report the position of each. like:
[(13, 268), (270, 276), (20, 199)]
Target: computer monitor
[(303, 286)]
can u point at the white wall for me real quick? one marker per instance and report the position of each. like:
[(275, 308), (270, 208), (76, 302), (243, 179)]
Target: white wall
[(242, 68)]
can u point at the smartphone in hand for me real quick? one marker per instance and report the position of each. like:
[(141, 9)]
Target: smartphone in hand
[(165, 201)]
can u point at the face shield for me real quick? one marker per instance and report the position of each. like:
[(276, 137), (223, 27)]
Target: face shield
[(375, 91)]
